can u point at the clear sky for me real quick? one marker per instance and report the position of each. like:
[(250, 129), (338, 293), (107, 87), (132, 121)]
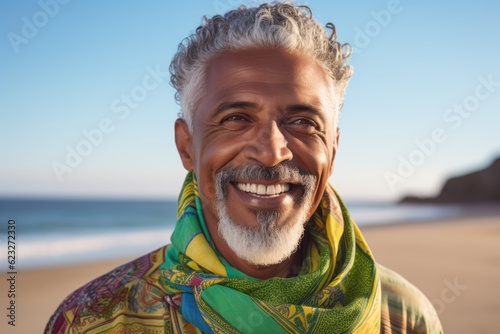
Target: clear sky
[(87, 111)]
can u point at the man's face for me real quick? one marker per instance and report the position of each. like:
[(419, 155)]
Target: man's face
[(262, 147)]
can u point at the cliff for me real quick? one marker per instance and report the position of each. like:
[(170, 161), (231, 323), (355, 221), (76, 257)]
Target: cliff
[(482, 186)]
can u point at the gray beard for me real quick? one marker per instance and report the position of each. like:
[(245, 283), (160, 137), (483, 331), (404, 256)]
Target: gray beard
[(268, 243)]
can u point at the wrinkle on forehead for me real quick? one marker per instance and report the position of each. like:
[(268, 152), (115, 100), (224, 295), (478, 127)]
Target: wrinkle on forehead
[(268, 60), (238, 71)]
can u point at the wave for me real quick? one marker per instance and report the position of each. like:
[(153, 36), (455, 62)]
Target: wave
[(47, 236), (51, 249)]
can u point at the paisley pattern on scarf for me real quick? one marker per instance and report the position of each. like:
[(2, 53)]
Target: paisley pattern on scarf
[(117, 302), (337, 290), (187, 287)]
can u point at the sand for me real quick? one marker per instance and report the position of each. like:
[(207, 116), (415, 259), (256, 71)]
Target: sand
[(455, 263)]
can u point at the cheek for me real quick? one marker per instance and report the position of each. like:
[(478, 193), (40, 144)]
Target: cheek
[(214, 154), (313, 156)]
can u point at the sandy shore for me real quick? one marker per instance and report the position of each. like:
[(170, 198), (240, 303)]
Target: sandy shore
[(455, 263)]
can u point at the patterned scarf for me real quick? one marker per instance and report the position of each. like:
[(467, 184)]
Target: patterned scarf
[(336, 291)]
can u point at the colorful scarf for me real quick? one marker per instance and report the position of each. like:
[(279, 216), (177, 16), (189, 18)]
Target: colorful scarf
[(336, 291)]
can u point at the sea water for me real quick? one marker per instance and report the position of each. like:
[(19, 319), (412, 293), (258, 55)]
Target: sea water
[(56, 232)]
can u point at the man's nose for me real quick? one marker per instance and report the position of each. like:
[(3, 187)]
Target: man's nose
[(269, 146)]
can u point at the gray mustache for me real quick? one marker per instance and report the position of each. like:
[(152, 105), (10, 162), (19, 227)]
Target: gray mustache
[(282, 173)]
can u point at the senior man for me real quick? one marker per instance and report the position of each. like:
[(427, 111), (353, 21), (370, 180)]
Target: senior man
[(263, 244)]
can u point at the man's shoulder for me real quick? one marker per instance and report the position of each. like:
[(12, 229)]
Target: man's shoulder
[(405, 309), (118, 298)]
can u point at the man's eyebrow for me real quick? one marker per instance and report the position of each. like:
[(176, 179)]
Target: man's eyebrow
[(233, 105), (307, 108), (249, 105)]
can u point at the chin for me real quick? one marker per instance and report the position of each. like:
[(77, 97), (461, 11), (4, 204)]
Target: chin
[(265, 245), (274, 234)]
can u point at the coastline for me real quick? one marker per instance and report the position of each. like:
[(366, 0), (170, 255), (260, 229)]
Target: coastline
[(455, 262)]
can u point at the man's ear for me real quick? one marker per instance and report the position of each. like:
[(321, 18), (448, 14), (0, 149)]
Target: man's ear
[(184, 143), (335, 148)]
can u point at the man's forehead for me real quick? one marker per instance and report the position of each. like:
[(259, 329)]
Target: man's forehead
[(237, 71), (270, 60)]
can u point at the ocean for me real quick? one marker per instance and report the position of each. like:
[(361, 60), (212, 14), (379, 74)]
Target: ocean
[(60, 232)]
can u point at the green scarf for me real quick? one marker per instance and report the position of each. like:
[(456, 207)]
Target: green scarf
[(337, 290)]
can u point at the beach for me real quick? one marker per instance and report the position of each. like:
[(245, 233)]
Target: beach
[(456, 263)]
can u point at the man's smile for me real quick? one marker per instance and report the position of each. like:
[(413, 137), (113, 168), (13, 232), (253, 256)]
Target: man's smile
[(260, 196), (264, 190)]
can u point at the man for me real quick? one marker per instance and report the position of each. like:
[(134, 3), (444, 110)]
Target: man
[(263, 244)]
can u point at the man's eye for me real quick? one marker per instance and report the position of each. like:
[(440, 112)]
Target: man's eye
[(303, 125), (234, 118), (304, 122)]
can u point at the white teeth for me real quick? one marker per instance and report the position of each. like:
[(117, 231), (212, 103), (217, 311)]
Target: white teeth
[(270, 190), (261, 189)]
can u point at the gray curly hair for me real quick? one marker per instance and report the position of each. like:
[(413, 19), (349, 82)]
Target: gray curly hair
[(279, 25)]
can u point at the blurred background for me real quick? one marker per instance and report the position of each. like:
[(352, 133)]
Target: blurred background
[(87, 111), (88, 165)]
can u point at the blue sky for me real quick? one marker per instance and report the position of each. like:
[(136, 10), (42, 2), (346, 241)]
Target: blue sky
[(423, 103)]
